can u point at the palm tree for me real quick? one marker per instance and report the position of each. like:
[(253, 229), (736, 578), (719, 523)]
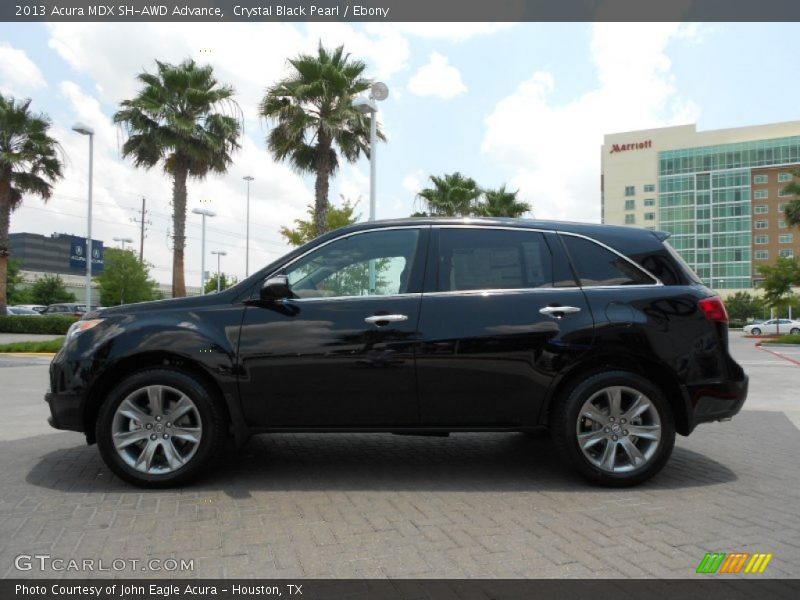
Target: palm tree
[(313, 116), (502, 203), (452, 195), (792, 210), (30, 163), (182, 118)]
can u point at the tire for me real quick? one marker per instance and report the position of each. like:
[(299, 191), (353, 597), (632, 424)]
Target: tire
[(755, 331), (154, 452), (794, 331), (570, 423)]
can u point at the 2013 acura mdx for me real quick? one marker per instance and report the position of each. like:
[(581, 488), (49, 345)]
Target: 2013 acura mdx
[(602, 334)]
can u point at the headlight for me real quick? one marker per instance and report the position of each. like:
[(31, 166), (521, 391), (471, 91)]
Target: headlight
[(80, 326)]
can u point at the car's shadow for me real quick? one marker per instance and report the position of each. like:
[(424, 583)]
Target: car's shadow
[(481, 462)]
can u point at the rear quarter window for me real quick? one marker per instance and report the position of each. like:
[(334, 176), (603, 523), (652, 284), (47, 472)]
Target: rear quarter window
[(596, 265)]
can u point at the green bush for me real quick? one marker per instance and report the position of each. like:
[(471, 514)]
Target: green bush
[(786, 339), (50, 346), (736, 324), (50, 324)]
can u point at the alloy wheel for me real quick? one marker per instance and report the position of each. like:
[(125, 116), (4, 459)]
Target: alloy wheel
[(618, 429), (156, 429)]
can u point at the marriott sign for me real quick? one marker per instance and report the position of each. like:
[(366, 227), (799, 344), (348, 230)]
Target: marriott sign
[(634, 146)]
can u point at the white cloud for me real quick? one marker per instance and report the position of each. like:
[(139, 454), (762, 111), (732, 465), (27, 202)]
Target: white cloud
[(18, 73), (438, 78), (552, 149), (413, 182)]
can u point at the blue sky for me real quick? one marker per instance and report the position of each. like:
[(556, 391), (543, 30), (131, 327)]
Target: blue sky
[(522, 104)]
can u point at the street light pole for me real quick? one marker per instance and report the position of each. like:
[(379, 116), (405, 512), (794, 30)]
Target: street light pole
[(219, 254), (368, 106), (205, 213), (86, 130), (248, 179)]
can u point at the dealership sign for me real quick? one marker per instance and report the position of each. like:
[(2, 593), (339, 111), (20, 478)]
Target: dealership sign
[(77, 254), (634, 146)]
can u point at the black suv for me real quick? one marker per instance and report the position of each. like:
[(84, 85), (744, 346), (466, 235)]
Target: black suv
[(602, 334)]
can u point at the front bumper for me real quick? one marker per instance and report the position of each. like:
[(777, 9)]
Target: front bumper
[(716, 401), (66, 411)]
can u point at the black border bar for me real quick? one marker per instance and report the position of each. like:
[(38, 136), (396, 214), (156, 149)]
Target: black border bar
[(364, 11), (706, 588)]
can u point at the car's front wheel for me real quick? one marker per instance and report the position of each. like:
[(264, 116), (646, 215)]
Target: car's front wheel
[(158, 428), (755, 331), (615, 428)]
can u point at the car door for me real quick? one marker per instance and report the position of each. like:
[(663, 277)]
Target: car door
[(501, 315), (340, 353)]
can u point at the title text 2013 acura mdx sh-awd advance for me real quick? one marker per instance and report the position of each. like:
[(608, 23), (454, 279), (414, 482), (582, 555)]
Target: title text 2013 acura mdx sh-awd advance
[(600, 333)]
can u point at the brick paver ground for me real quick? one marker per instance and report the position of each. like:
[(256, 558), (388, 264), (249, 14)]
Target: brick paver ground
[(374, 505)]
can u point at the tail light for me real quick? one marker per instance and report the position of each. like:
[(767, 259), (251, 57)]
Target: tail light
[(714, 309)]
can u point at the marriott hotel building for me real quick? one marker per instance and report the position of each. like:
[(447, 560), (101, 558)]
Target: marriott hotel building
[(717, 192)]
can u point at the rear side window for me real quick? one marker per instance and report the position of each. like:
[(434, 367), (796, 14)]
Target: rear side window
[(596, 265), (487, 259)]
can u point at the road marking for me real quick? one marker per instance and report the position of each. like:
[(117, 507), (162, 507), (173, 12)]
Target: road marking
[(779, 355)]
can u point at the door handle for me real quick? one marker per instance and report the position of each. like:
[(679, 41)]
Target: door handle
[(558, 311), (381, 320)]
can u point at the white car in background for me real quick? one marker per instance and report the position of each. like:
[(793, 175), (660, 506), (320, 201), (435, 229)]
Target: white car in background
[(773, 326)]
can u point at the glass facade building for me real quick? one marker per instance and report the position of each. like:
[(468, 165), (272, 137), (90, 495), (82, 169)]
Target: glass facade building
[(705, 199)]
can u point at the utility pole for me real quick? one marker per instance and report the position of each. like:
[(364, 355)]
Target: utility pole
[(142, 221)]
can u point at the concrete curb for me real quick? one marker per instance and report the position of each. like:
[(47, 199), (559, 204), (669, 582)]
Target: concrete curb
[(48, 354)]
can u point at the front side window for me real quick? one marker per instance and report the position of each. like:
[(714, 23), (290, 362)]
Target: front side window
[(376, 263), (490, 259), (598, 266)]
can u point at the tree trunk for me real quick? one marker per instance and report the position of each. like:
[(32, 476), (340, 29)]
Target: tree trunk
[(179, 175), (321, 185), (5, 219)]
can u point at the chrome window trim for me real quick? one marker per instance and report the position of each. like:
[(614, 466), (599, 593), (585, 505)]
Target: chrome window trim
[(366, 297), (494, 291), (656, 280)]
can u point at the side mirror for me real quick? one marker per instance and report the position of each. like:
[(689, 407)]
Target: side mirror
[(275, 288)]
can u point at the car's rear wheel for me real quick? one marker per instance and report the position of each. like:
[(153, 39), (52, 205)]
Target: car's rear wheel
[(158, 428), (615, 428), (755, 331), (794, 331)]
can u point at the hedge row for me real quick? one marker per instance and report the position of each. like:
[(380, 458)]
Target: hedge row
[(50, 324)]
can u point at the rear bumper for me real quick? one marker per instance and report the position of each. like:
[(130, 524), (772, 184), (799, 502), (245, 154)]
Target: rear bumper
[(716, 401), (66, 411)]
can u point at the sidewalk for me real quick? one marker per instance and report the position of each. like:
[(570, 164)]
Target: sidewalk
[(10, 338)]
